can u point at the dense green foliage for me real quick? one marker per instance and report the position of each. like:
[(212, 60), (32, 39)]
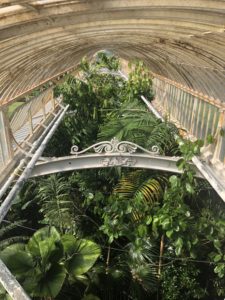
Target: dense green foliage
[(160, 236), (48, 259)]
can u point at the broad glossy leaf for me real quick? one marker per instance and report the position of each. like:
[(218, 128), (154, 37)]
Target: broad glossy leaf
[(180, 164), (46, 243), (178, 250), (179, 242), (17, 260), (179, 245), (165, 224), (149, 220), (83, 254), (69, 242), (217, 244), (142, 230), (51, 283)]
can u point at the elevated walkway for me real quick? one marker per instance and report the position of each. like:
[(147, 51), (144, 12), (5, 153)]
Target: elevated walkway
[(198, 117), (20, 131)]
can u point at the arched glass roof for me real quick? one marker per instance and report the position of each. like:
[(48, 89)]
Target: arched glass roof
[(181, 40)]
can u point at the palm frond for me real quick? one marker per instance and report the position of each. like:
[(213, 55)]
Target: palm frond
[(13, 240), (133, 122), (136, 185), (8, 234)]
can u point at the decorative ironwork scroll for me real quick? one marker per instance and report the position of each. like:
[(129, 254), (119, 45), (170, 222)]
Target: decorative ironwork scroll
[(115, 146), (118, 161)]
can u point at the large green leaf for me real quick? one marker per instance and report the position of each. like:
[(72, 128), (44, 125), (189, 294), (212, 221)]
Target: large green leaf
[(82, 254), (17, 260), (69, 244), (50, 284), (46, 243)]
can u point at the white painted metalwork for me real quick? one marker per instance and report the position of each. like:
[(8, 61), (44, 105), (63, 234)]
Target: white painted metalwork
[(152, 109), (5, 184), (115, 146), (6, 204), (212, 175), (109, 154), (198, 116), (28, 118), (8, 281), (105, 160), (27, 124), (10, 284), (4, 146)]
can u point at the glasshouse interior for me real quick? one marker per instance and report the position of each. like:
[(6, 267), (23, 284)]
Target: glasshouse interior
[(112, 149)]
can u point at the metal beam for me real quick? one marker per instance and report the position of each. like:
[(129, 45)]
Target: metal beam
[(7, 203), (152, 109), (90, 161), (10, 284), (210, 175)]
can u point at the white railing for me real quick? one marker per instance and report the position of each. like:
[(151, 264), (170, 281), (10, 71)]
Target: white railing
[(30, 115), (200, 116), (25, 122)]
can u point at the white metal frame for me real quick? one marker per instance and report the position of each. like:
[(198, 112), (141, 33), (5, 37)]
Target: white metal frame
[(109, 154)]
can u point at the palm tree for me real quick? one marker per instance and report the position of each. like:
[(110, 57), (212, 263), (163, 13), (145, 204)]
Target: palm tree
[(130, 273), (134, 123)]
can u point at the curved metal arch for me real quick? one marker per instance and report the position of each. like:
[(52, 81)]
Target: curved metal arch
[(109, 154), (93, 161), (41, 39)]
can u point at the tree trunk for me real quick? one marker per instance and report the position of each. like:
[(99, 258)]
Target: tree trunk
[(107, 261)]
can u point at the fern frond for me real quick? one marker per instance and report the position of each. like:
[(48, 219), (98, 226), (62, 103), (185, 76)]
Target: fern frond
[(56, 204)]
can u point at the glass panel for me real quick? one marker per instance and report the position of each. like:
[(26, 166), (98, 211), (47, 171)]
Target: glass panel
[(4, 153)]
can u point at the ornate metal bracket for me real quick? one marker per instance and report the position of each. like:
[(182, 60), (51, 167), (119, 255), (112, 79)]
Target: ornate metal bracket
[(114, 146)]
